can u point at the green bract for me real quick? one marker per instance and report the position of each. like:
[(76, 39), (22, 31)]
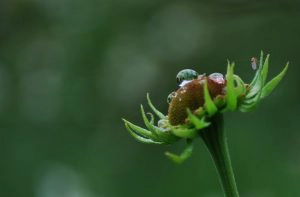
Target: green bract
[(198, 101)]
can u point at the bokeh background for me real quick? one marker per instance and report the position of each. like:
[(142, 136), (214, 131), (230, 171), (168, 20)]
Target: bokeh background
[(71, 69)]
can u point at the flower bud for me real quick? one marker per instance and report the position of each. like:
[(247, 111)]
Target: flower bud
[(191, 96)]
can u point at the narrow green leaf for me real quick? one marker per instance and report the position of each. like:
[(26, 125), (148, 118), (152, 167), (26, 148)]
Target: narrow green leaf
[(267, 90)]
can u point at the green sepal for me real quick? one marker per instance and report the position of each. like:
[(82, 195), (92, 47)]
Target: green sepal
[(240, 88), (152, 119), (208, 102), (139, 130), (253, 96), (258, 89), (260, 77), (252, 99), (199, 112), (231, 98), (265, 69), (187, 152), (259, 68), (146, 121), (183, 131), (136, 133), (220, 101), (164, 135), (158, 113), (197, 122), (269, 87)]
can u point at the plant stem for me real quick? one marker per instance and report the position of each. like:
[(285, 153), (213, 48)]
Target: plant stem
[(216, 142)]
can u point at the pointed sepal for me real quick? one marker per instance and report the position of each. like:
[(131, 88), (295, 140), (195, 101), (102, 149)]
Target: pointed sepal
[(208, 102), (269, 87), (231, 98), (158, 133), (140, 134), (199, 123), (183, 131)]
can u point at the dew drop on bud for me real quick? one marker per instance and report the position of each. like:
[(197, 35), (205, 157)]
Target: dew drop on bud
[(170, 97), (217, 77), (184, 82), (186, 75)]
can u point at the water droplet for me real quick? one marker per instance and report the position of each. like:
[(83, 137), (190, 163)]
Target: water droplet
[(170, 97), (186, 75), (217, 77), (184, 82)]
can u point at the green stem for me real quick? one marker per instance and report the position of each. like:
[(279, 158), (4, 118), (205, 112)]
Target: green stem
[(216, 142)]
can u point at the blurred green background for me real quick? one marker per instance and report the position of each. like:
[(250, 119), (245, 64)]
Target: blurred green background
[(71, 69)]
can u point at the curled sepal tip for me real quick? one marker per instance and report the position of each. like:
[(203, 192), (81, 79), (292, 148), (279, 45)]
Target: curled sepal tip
[(187, 152), (160, 134)]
